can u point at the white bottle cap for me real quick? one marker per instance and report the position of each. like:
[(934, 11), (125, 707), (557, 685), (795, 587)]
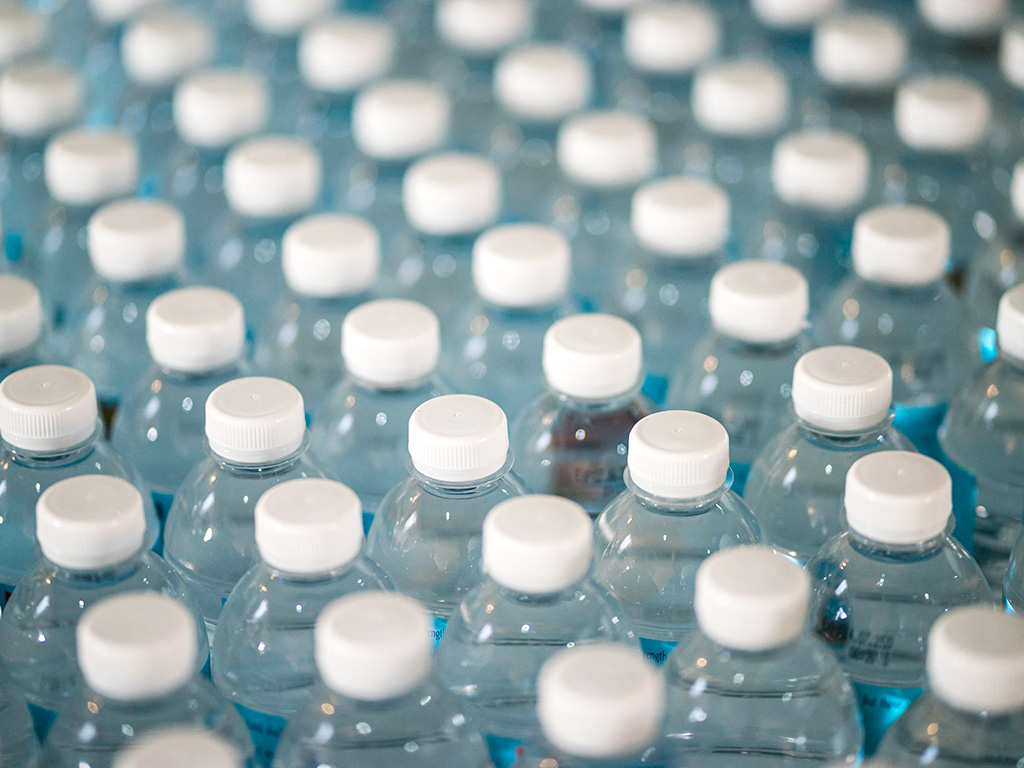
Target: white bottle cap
[(542, 83), (47, 408), (942, 114), (175, 747), (758, 301), (452, 194), (483, 27), (136, 240), (21, 31), (195, 330), (217, 107), (740, 98), (592, 356), (976, 660), (860, 50), (1011, 54), (607, 149), (341, 53), (670, 37), (373, 646), (964, 18), (821, 170), (678, 454), (1009, 321), (400, 119), (137, 646), (601, 701), (21, 315), (900, 245), (842, 389), (792, 14), (255, 420), (391, 342), (749, 598), (521, 265), (898, 497), (88, 167), (330, 254), (309, 525), (458, 438), (537, 544), (38, 98), (90, 522), (285, 17), (681, 216), (272, 177), (160, 48), (114, 12)]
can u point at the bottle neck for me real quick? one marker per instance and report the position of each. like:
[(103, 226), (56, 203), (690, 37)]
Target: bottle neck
[(853, 439), (270, 466), (899, 552), (597, 404), (109, 572), (57, 458), (694, 505), (469, 488)]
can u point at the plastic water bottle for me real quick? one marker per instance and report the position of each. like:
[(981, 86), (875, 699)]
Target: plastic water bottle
[(330, 263), (269, 182), (213, 109), (973, 709), (521, 276), (536, 598), (36, 101), (842, 399), (898, 305), (377, 705), (680, 226), (980, 439), (448, 200), (598, 705), (754, 687), (255, 439), (137, 656), (571, 440), (22, 326), (83, 169), (959, 36), (49, 431), (309, 534), (360, 431), (172, 747), (740, 373), (426, 534), (881, 583), (196, 339), (90, 530), (18, 745), (137, 251), (677, 509)]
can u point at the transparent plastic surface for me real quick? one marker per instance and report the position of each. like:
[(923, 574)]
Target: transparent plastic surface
[(18, 745)]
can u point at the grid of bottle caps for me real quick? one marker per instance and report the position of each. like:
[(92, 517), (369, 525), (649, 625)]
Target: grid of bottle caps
[(550, 382)]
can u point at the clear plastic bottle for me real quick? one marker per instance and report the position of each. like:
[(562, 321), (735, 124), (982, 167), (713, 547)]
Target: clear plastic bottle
[(842, 399), (598, 705), (962, 37), (754, 687), (677, 510), (49, 431), (426, 534), (536, 597), (137, 656), (175, 747), (309, 534), (973, 711), (196, 339), (881, 583), (22, 326), (377, 705), (255, 439), (571, 440), (18, 745), (137, 251), (680, 227), (90, 531), (740, 373), (493, 349), (899, 306), (330, 262), (390, 349)]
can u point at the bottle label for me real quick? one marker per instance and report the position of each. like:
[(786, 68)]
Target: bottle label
[(656, 387), (987, 345), (921, 425), (504, 751), (965, 501), (656, 650), (42, 719), (266, 732), (880, 708), (438, 631), (740, 472)]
